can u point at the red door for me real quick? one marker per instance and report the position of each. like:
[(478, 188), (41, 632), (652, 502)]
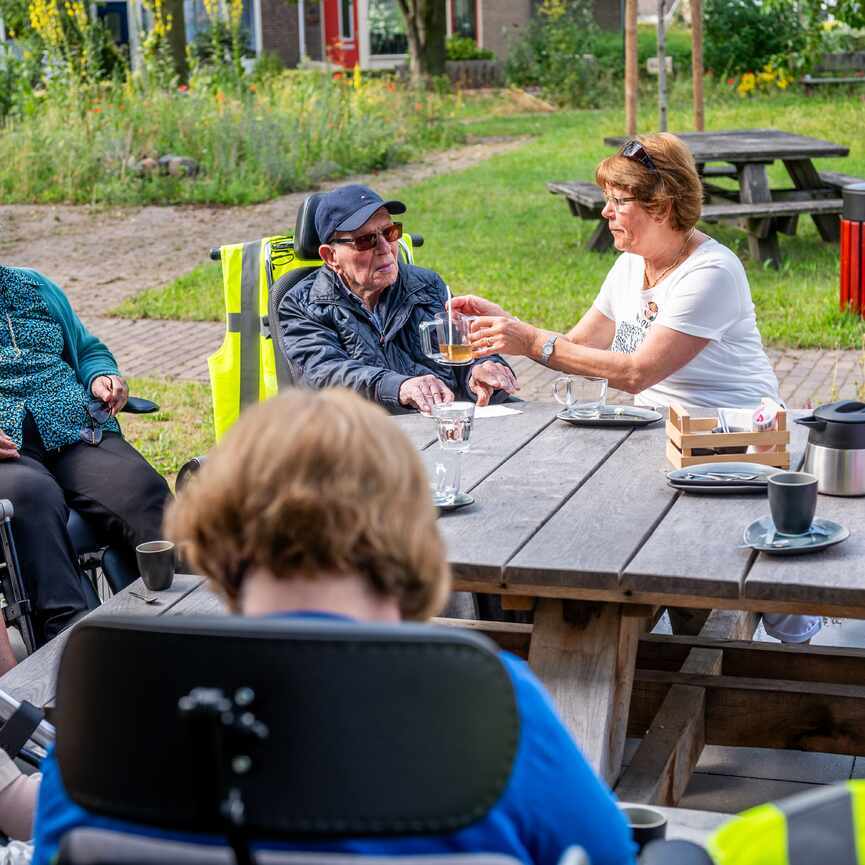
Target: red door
[(340, 32)]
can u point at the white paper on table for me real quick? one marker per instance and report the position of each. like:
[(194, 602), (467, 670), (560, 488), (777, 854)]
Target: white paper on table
[(495, 411)]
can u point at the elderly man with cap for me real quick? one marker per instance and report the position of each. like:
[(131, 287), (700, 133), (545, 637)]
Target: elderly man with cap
[(355, 321)]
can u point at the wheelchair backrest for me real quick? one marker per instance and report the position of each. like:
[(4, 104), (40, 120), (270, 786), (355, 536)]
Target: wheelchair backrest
[(251, 365)]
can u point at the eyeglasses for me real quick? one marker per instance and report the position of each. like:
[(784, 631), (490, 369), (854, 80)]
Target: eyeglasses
[(98, 413), (365, 242), (634, 150), (618, 203)]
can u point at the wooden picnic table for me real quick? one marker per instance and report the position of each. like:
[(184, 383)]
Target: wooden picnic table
[(580, 524), (759, 209)]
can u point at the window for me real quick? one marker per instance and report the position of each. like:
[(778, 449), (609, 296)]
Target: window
[(386, 28), (465, 18), (346, 20)]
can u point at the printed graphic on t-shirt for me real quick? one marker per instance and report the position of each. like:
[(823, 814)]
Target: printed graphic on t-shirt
[(629, 336)]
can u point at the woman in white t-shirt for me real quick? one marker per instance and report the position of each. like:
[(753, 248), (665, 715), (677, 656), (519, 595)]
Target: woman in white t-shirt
[(674, 320)]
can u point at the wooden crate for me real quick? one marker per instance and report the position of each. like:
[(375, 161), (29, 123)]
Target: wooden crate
[(684, 433)]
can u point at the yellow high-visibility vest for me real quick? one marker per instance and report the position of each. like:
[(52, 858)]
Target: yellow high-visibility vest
[(243, 368), (825, 826)]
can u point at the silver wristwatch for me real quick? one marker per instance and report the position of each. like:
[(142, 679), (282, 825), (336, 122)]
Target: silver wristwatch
[(547, 350)]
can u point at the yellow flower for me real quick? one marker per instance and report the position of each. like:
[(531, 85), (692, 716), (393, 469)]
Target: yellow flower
[(746, 84)]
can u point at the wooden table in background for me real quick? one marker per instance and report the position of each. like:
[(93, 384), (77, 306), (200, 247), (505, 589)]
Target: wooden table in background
[(580, 524), (748, 152)]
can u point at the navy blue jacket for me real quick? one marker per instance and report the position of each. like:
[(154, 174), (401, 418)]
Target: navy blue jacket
[(332, 340)]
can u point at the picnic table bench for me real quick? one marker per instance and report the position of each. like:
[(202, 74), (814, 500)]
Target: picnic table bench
[(761, 211), (580, 525), (836, 68)]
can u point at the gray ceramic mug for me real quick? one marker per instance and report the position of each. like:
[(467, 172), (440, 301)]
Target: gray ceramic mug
[(156, 564), (646, 824), (792, 501)]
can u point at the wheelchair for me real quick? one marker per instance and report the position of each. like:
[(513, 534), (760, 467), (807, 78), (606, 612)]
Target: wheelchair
[(105, 569), (251, 364)]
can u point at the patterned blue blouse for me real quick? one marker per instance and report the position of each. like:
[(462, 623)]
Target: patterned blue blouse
[(34, 376)]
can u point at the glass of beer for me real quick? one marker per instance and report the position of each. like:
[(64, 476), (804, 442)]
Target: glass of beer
[(453, 344)]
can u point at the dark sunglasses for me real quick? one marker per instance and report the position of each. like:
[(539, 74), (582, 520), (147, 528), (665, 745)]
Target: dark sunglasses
[(365, 242), (634, 150), (98, 413)]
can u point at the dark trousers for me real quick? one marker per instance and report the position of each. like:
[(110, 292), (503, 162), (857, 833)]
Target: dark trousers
[(112, 486)]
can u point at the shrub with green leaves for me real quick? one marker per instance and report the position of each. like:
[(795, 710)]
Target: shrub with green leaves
[(465, 48), (555, 54), (745, 35)]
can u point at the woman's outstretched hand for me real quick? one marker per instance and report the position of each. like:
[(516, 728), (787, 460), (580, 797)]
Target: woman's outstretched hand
[(502, 335), (471, 304)]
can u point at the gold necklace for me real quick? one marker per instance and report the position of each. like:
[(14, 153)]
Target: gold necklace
[(677, 260)]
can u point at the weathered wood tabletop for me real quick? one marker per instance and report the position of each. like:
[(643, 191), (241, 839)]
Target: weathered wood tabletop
[(563, 514)]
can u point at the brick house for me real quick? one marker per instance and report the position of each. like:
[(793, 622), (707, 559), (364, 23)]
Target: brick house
[(370, 33)]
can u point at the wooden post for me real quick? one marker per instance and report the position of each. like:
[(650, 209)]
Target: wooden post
[(631, 67), (662, 68), (697, 62)]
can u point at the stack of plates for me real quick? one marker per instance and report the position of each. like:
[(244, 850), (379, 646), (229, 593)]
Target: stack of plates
[(723, 478)]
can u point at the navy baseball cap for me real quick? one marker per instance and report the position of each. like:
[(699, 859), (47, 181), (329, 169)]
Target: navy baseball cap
[(349, 207)]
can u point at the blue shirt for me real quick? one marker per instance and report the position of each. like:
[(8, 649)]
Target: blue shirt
[(34, 376), (552, 801)]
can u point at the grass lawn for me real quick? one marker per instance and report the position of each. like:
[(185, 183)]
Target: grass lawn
[(182, 428), (496, 231)]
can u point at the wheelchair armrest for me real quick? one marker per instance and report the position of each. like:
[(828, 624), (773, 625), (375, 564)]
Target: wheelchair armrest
[(187, 471), (674, 852), (138, 405), (416, 239)]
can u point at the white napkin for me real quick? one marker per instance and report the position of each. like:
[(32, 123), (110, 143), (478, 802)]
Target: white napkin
[(495, 411)]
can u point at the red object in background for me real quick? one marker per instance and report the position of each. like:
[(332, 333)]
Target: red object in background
[(853, 249), (340, 32)]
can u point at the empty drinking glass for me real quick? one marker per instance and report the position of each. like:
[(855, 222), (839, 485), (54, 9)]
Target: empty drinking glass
[(445, 481), (584, 396), (454, 424)]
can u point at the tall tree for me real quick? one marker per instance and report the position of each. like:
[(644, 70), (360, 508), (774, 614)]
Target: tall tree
[(426, 24)]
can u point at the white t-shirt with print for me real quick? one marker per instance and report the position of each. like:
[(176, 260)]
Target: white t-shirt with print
[(708, 296)]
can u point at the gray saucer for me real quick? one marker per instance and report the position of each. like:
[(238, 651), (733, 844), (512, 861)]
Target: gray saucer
[(761, 535), (615, 415), (460, 501)]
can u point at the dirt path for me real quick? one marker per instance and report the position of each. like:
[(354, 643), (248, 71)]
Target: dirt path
[(101, 255)]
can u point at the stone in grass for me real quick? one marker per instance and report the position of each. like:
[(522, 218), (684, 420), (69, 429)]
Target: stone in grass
[(323, 169), (146, 167), (178, 166)]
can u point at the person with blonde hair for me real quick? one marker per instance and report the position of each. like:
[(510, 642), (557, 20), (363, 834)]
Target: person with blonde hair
[(315, 504), (674, 320)]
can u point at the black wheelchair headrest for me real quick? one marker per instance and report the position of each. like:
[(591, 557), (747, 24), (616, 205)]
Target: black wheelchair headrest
[(321, 728), (306, 241)]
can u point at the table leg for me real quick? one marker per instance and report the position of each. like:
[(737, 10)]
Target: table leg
[(585, 654), (601, 239), (762, 236), (805, 176)]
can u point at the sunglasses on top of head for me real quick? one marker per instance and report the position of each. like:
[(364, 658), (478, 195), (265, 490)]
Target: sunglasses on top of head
[(365, 242), (98, 413), (635, 151)]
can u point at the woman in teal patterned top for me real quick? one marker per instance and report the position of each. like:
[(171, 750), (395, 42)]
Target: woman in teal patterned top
[(61, 446)]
